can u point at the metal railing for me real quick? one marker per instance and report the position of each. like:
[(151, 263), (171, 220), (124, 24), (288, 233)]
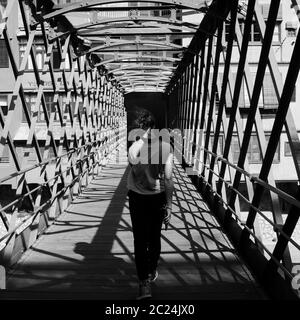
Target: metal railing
[(89, 124), (207, 97), (84, 163)]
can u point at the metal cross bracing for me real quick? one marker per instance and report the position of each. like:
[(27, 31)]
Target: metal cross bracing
[(109, 51), (86, 118), (89, 124), (148, 33), (216, 114)]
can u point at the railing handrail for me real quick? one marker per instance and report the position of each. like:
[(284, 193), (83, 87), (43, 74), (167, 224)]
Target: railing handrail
[(39, 209)]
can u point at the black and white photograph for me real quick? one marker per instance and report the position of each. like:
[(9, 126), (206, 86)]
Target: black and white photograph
[(150, 154)]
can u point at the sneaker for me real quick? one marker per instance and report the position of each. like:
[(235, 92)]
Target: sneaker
[(144, 290), (153, 276)]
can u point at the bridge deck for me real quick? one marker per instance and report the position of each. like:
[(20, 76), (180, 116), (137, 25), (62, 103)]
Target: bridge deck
[(88, 251)]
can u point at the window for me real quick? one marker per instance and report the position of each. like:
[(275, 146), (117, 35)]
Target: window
[(220, 144), (40, 56), (293, 97), (51, 108), (254, 150), (4, 104), (254, 156), (244, 101), (63, 1), (254, 35), (269, 93), (287, 149), (235, 148), (5, 157), (277, 31), (50, 105), (227, 29), (3, 4), (56, 59), (66, 108), (277, 153), (4, 61), (28, 154), (39, 50), (291, 32), (30, 102), (49, 150), (291, 28), (22, 49)]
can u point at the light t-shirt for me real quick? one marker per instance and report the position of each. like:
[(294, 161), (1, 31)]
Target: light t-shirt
[(146, 175)]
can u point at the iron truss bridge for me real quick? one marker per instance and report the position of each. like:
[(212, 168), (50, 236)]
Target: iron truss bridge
[(67, 69)]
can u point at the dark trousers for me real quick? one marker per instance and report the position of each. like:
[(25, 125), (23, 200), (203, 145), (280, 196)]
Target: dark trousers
[(147, 215)]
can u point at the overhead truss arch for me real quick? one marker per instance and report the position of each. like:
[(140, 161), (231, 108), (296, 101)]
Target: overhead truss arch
[(187, 4)]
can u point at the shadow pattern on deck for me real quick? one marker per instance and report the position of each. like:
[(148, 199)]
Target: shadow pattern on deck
[(88, 252)]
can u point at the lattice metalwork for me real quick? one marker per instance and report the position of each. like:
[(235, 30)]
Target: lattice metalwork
[(144, 37), (220, 132), (221, 108), (83, 123)]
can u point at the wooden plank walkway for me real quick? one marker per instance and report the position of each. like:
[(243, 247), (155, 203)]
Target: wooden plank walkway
[(88, 251)]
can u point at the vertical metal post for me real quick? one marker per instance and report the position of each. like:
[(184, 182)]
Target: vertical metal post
[(213, 92), (198, 98), (205, 89), (274, 6), (237, 89), (231, 35)]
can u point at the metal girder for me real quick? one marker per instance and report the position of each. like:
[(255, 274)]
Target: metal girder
[(117, 60), (143, 83), (144, 88), (142, 67), (150, 89), (171, 23), (118, 8), (151, 49), (137, 41), (190, 4), (132, 73), (217, 10), (137, 20), (224, 84), (129, 32), (154, 44), (144, 75), (113, 61), (135, 77), (144, 29), (139, 79)]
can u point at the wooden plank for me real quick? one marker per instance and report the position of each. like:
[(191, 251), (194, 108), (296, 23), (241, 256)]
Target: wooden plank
[(88, 251)]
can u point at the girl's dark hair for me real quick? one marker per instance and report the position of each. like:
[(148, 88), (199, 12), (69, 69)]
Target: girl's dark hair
[(145, 120)]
